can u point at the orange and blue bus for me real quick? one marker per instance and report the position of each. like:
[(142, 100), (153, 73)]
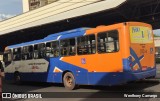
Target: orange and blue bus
[(105, 55)]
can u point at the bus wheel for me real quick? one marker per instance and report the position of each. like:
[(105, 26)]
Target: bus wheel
[(17, 78), (69, 81)]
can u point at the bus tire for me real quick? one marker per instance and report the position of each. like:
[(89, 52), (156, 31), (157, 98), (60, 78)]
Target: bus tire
[(17, 78), (69, 81)]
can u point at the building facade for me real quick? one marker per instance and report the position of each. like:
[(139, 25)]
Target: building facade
[(34, 4)]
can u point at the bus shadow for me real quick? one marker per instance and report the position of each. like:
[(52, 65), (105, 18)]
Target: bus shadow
[(9, 86), (114, 93), (137, 86)]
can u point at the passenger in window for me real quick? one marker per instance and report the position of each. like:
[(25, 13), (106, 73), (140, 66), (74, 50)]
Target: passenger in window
[(56, 53), (64, 52), (48, 51), (17, 57), (36, 55), (30, 55), (41, 54), (72, 51)]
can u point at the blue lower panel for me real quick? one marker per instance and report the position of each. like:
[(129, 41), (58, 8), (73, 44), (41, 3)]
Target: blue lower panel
[(92, 78), (81, 78), (57, 77), (132, 76), (9, 76), (39, 77), (118, 78), (106, 78)]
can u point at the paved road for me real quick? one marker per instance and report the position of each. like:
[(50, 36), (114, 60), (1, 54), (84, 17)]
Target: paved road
[(151, 85)]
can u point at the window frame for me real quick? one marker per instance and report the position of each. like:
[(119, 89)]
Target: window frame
[(8, 52), (17, 53), (57, 41), (24, 53), (88, 44), (109, 42), (68, 46), (38, 51), (46, 51)]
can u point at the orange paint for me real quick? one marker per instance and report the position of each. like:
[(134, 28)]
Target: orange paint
[(144, 48), (111, 62)]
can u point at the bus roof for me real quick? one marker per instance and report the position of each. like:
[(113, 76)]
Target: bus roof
[(52, 37)]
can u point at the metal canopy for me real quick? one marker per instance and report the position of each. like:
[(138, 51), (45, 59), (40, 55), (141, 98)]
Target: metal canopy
[(141, 10), (54, 12)]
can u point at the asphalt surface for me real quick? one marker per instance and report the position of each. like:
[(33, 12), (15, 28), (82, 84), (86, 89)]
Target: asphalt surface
[(149, 85)]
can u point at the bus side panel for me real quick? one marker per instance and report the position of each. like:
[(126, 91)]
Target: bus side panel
[(9, 76), (29, 70), (98, 71), (36, 77), (133, 76), (110, 78), (103, 69), (34, 70), (58, 67)]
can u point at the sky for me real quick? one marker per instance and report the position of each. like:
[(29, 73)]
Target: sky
[(157, 32), (10, 8)]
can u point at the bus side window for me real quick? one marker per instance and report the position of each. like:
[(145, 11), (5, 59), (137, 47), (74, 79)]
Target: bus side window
[(55, 49), (35, 52), (108, 42), (41, 50), (16, 54), (7, 56), (48, 49), (91, 44), (30, 52), (27, 53), (24, 49), (72, 47), (64, 47), (68, 47), (86, 45)]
